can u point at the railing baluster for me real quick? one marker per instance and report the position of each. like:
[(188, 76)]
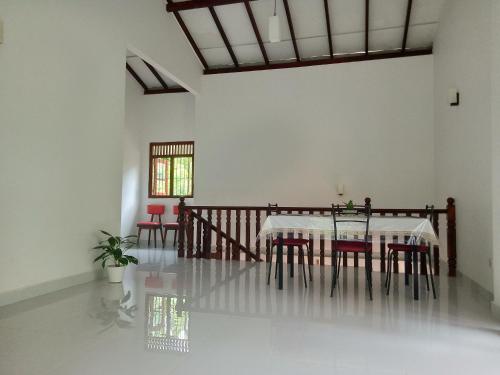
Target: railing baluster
[(395, 264), (451, 237), (289, 252), (311, 238), (247, 234), (208, 245), (198, 234), (436, 260), (236, 250), (382, 250), (423, 260), (218, 246), (268, 243), (182, 223), (257, 231), (322, 246), (228, 232), (190, 235)]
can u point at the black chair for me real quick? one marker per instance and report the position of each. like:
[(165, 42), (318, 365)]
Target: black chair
[(358, 218), (273, 209), (408, 249)]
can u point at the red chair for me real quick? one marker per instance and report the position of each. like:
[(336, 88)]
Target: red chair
[(290, 242), (407, 249), (171, 226), (354, 215), (152, 225)]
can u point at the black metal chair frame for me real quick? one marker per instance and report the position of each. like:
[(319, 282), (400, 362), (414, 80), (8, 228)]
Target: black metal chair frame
[(392, 257), (274, 208), (351, 214)]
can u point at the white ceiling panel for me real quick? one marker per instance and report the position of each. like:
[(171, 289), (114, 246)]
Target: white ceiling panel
[(202, 27), (217, 56), (314, 47), (421, 36), (347, 16), (249, 54), (348, 43), (280, 51), (386, 39), (387, 13), (308, 18), (234, 19)]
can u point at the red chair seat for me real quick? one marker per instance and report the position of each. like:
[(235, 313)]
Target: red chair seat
[(407, 248), (149, 224), (353, 246), (171, 225), (292, 242)]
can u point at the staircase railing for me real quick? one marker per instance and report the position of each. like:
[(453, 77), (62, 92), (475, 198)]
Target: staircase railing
[(229, 233)]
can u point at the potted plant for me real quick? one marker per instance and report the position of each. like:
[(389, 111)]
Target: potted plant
[(114, 248)]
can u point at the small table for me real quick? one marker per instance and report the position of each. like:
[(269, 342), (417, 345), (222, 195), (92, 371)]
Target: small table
[(320, 226)]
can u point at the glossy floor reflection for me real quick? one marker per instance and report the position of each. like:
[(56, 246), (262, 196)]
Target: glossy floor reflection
[(177, 316)]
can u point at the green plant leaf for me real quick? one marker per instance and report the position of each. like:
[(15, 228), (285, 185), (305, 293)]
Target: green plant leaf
[(104, 263), (106, 233)]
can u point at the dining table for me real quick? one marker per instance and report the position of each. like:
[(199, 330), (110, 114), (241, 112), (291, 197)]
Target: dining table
[(407, 229)]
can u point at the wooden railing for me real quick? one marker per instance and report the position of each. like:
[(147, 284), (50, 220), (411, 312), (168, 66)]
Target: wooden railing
[(229, 232)]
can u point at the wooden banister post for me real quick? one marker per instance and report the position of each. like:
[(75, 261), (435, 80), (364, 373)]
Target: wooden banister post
[(452, 237), (368, 201), (182, 227)]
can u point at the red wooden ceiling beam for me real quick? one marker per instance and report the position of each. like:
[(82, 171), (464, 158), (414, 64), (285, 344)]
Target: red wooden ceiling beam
[(170, 90), (224, 36), (336, 60), (256, 31), (292, 32), (136, 77), (328, 29), (198, 4), (156, 74), (188, 35), (407, 24)]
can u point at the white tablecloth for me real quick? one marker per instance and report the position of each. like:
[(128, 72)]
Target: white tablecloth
[(418, 229)]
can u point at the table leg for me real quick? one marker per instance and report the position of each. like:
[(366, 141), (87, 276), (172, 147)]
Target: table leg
[(289, 256), (415, 272), (407, 259), (279, 259)]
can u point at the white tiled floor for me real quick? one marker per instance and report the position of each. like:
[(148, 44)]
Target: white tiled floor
[(177, 316)]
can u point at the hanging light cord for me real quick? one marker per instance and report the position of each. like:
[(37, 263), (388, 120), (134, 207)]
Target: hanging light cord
[(274, 7)]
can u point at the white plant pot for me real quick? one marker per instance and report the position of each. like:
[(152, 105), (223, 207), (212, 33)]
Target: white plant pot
[(115, 274)]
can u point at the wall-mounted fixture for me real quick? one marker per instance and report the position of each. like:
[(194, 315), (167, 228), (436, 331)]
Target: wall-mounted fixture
[(340, 189), (453, 97), (274, 27)]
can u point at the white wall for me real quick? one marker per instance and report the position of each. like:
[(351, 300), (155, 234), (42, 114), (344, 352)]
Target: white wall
[(495, 79), (62, 85), (291, 135), (150, 118), (462, 60)]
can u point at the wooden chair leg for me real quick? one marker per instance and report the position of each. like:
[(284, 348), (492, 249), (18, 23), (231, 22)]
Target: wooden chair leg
[(138, 236), (164, 237), (175, 236), (155, 237), (432, 276), (301, 255), (309, 261), (270, 267), (149, 238), (161, 238)]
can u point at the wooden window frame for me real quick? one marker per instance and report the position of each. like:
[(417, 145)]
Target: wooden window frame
[(173, 155)]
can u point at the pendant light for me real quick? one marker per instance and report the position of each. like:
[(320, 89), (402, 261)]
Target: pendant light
[(274, 27)]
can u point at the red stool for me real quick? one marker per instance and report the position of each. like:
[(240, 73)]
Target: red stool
[(171, 226), (152, 225)]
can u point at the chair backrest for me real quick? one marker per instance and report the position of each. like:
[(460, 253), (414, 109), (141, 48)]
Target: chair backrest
[(352, 214), (429, 212), (156, 209), (175, 209)]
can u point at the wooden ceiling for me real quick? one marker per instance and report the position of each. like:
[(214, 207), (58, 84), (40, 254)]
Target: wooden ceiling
[(231, 35)]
